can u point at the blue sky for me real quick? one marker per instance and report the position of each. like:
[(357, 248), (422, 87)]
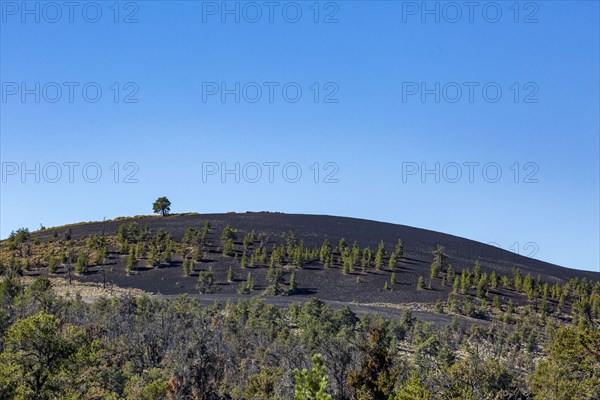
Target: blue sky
[(157, 121)]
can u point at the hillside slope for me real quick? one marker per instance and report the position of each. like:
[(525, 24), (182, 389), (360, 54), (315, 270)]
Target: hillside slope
[(313, 278)]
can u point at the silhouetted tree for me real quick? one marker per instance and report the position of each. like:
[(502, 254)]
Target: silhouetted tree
[(162, 206)]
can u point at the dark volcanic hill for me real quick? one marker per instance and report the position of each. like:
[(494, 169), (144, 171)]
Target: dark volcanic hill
[(314, 280)]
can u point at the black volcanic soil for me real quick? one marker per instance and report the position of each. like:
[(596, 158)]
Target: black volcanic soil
[(315, 280)]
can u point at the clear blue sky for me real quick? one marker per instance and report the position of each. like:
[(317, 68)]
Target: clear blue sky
[(372, 60)]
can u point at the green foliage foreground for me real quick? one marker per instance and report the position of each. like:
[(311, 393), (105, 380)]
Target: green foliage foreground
[(140, 348)]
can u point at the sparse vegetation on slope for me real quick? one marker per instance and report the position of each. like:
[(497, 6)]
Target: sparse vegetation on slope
[(501, 333)]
